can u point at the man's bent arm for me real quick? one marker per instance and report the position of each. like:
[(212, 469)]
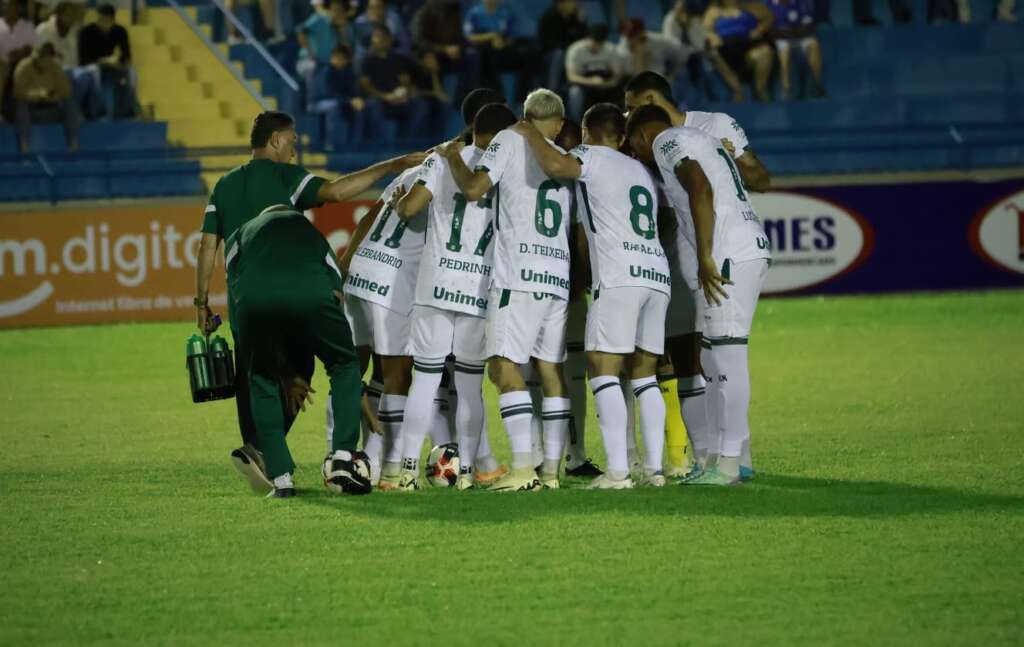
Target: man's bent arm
[(205, 261), (358, 235), (557, 165), (473, 185), (752, 170), (413, 202)]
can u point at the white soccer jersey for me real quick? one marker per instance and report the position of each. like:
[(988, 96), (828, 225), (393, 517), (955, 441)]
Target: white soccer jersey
[(455, 272), (738, 234), (384, 268), (618, 206), (720, 126), (531, 219)]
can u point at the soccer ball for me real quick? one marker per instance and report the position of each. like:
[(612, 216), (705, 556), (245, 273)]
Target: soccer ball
[(347, 473), (443, 465)]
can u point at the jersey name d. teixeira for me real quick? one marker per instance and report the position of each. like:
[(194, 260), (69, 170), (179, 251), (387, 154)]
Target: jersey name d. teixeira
[(244, 192), (531, 219), (618, 207), (384, 268), (738, 233), (455, 272)]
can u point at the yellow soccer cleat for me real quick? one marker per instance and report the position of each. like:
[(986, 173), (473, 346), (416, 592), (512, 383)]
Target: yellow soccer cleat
[(487, 479)]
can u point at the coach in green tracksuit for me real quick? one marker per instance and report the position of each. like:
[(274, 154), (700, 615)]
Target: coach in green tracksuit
[(267, 179), (285, 291)]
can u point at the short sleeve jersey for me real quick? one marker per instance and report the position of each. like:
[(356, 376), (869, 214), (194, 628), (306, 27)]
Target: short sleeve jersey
[(455, 272), (531, 219), (384, 268), (738, 234), (720, 126), (619, 209), (246, 191), (280, 250)]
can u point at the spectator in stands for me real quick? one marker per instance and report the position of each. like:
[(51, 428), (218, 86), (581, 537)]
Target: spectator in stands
[(683, 25), (594, 70), (1005, 10), (61, 30), (17, 38), (324, 30), (42, 94), (437, 29), (105, 43), (387, 80), (794, 27), (490, 28), (644, 51), (561, 25), (737, 37), (272, 26), (337, 96), (379, 14)]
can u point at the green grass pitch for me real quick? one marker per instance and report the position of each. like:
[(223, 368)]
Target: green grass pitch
[(889, 510)]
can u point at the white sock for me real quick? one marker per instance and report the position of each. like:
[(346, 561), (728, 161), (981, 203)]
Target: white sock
[(611, 416), (485, 461), (731, 360), (652, 419), (536, 428), (632, 453), (391, 415), (695, 417), (517, 416), (440, 431), (420, 411), (556, 414), (713, 403), (373, 447), (576, 378), (469, 412)]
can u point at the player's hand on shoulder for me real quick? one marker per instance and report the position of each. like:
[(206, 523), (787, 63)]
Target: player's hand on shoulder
[(523, 127), (451, 149), (712, 281), (409, 160), (397, 195), (729, 146)]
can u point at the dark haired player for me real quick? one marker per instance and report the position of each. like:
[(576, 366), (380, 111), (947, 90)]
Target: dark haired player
[(268, 179)]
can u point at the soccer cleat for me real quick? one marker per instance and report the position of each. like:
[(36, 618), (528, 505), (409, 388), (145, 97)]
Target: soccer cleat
[(747, 473), (282, 493), (249, 463), (388, 483), (695, 471), (652, 479), (464, 482), (407, 483), (347, 472), (714, 476), (487, 479), (679, 471), (605, 482), (512, 483), (549, 481), (587, 469)]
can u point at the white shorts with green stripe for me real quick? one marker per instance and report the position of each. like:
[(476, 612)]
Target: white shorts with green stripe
[(521, 325), (385, 331), (436, 333), (733, 317)]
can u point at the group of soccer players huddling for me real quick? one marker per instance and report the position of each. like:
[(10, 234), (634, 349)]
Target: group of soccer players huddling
[(509, 254)]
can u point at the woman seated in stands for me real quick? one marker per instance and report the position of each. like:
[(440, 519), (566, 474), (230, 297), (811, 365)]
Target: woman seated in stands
[(737, 39)]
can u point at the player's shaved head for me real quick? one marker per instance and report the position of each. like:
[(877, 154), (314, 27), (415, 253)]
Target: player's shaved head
[(605, 122), (650, 82), (643, 126), (492, 119)]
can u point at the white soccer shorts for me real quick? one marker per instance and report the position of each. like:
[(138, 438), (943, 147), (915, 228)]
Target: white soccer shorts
[(436, 333), (622, 319), (521, 325), (733, 317), (385, 331)]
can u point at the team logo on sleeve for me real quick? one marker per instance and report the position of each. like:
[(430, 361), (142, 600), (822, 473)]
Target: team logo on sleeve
[(429, 162), (668, 147), (493, 148)]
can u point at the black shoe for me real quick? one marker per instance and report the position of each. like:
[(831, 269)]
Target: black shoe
[(586, 469), (282, 493)]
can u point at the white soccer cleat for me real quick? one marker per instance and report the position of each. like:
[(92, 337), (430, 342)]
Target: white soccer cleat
[(652, 479), (605, 482), (549, 481), (527, 482), (465, 482), (408, 483)]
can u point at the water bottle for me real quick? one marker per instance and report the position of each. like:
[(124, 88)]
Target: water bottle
[(200, 373), (223, 382)]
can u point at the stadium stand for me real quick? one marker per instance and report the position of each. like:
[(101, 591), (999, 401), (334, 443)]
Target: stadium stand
[(910, 97)]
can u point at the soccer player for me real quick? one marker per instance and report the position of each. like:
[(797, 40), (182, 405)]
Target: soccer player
[(451, 298), (269, 178), (379, 289), (682, 325), (733, 255), (629, 280), (529, 291), (286, 290)]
